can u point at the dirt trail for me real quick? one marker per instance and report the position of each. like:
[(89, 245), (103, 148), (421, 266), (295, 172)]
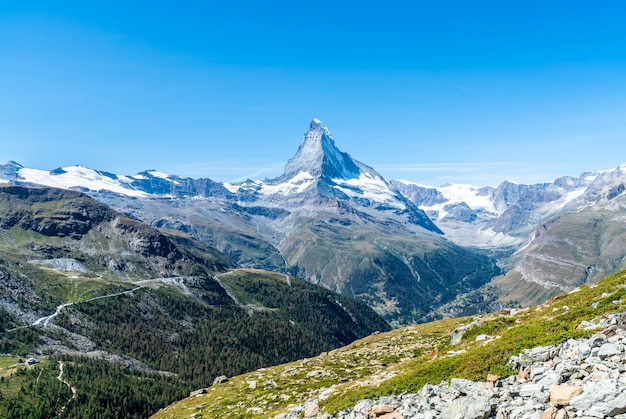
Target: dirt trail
[(64, 381)]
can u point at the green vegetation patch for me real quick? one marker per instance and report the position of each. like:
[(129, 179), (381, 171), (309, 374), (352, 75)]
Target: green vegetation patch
[(548, 324)]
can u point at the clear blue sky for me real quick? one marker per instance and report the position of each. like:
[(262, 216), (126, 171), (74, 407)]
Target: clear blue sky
[(429, 91)]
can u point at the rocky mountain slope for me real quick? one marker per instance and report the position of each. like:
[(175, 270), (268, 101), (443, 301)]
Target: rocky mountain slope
[(564, 358), (329, 219), (129, 313)]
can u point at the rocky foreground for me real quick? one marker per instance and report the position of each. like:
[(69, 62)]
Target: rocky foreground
[(580, 378)]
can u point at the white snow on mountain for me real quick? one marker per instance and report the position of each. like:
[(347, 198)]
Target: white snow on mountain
[(77, 177), (477, 198), (125, 179), (473, 196), (296, 184), (318, 154), (160, 175), (232, 187), (370, 187)]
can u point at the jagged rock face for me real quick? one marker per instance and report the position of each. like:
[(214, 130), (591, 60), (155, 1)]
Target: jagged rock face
[(177, 186), (9, 170), (319, 156), (326, 176)]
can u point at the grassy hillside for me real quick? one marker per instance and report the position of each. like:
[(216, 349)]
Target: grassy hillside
[(405, 359)]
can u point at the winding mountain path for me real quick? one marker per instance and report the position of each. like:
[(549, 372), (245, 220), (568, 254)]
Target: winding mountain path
[(64, 381), (228, 292), (45, 321)]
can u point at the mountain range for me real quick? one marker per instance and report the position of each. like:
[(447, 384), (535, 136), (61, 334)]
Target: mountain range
[(144, 287), (138, 316), (412, 252)]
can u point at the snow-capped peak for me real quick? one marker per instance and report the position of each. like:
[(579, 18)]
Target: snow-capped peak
[(319, 156)]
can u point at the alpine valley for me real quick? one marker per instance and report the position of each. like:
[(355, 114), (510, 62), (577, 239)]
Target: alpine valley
[(141, 288)]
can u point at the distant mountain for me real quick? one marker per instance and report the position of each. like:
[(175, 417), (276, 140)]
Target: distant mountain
[(329, 219), (560, 234), (143, 315)]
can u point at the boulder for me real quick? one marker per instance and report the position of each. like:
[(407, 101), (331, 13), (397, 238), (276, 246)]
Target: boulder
[(457, 334), (549, 414), (594, 393), (562, 395), (608, 350), (197, 392), (467, 408), (530, 390), (311, 410), (219, 380), (381, 410)]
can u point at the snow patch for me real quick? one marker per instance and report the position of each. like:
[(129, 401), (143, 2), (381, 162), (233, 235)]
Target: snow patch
[(457, 193), (297, 184), (369, 187), (77, 177), (160, 175), (232, 188), (125, 179), (409, 183)]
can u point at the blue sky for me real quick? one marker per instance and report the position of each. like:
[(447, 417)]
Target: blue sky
[(428, 91)]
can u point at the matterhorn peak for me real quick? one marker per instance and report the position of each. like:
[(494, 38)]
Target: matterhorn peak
[(318, 156), (318, 126)]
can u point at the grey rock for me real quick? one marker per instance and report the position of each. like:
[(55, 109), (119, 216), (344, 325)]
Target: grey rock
[(457, 334), (593, 393), (220, 379), (550, 379), (609, 349), (467, 408), (613, 407), (597, 340), (538, 354), (530, 389)]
